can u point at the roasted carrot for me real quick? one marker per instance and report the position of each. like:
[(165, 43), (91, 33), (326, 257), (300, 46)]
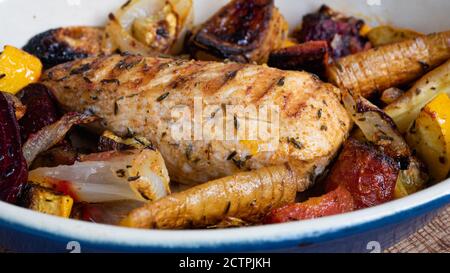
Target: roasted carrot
[(247, 196), (378, 69)]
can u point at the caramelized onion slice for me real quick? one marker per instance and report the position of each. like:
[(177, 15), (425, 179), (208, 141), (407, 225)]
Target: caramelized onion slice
[(149, 27), (52, 134), (376, 125), (111, 176)]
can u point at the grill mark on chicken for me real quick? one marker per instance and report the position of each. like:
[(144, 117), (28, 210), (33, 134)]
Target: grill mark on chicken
[(270, 88)]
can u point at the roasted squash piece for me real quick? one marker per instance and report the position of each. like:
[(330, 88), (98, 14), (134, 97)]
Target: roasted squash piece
[(430, 136), (384, 35), (47, 201), (244, 31), (18, 69)]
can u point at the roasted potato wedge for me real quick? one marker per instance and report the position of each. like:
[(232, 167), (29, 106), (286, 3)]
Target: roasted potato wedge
[(244, 31), (430, 136), (406, 109)]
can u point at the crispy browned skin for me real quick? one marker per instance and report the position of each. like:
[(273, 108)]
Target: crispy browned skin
[(57, 46), (137, 95), (243, 31), (391, 65), (248, 196)]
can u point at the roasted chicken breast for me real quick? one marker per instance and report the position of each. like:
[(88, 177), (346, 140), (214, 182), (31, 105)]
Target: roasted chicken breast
[(137, 95)]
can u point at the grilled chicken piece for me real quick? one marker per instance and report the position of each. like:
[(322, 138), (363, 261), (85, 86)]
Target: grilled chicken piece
[(137, 96), (244, 31), (60, 45)]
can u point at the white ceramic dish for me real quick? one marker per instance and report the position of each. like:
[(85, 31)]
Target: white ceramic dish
[(363, 230)]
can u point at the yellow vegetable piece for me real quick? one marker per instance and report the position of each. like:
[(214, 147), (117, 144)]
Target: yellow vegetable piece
[(430, 136), (288, 42), (364, 30), (251, 145), (48, 202), (384, 35), (18, 69)]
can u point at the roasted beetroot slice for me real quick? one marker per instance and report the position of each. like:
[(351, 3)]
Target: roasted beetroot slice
[(13, 168), (41, 109), (341, 32)]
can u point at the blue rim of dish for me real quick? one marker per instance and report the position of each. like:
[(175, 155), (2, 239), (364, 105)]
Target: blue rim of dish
[(284, 241)]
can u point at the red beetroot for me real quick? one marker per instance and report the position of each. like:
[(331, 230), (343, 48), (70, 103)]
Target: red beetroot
[(13, 168), (41, 109), (342, 33)]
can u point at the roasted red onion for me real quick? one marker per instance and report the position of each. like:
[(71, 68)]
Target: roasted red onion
[(52, 134)]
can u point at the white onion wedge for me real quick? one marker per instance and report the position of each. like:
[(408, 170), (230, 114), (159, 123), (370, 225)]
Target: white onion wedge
[(120, 29), (111, 176)]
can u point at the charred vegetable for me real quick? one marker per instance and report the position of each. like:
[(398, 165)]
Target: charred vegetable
[(109, 141), (430, 136), (247, 196), (334, 202), (61, 45), (406, 109), (310, 56), (367, 73), (342, 33), (149, 27), (379, 129), (52, 134), (367, 173), (62, 154), (46, 201), (244, 31), (17, 69), (13, 167)]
